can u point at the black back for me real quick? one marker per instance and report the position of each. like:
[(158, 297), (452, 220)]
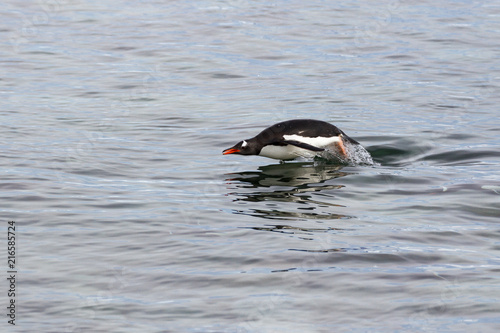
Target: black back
[(304, 127)]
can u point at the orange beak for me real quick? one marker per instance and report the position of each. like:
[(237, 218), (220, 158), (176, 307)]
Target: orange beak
[(230, 151)]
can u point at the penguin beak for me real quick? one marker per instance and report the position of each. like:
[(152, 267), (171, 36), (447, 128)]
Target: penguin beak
[(230, 151)]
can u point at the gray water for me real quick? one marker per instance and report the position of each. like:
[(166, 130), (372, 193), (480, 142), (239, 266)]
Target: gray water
[(129, 219)]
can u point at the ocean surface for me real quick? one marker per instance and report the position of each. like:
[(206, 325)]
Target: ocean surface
[(128, 217)]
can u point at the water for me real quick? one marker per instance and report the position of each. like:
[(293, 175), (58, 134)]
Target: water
[(129, 218)]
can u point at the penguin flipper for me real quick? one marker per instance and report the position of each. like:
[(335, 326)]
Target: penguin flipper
[(303, 145)]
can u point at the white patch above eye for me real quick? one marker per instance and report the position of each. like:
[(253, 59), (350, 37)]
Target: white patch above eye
[(244, 144)]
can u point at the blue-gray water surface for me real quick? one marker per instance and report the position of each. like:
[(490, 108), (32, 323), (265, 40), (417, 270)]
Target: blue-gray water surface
[(129, 218)]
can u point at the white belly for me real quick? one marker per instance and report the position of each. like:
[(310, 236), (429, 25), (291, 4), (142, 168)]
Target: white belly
[(287, 152), (290, 152)]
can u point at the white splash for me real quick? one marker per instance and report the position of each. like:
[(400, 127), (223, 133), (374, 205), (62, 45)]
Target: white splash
[(493, 188), (356, 154)]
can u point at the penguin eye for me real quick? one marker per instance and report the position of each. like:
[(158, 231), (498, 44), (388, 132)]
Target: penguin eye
[(244, 144)]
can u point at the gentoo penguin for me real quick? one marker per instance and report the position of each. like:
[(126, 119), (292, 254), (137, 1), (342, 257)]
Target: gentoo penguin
[(294, 138)]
